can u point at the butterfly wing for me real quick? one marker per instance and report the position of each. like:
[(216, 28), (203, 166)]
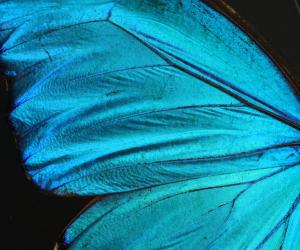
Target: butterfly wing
[(120, 96), (233, 211), (116, 96)]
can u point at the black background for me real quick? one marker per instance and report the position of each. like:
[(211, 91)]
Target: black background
[(34, 220)]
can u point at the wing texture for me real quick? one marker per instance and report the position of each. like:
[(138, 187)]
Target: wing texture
[(165, 105)]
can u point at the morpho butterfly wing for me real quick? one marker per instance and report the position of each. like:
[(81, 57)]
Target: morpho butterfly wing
[(114, 96), (117, 96), (234, 211)]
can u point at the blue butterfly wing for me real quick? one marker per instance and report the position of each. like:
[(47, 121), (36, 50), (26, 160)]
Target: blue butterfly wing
[(234, 211), (115, 96), (130, 116)]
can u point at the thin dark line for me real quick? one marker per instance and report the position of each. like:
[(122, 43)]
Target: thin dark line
[(206, 80), (282, 221), (225, 9), (220, 80), (3, 49)]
